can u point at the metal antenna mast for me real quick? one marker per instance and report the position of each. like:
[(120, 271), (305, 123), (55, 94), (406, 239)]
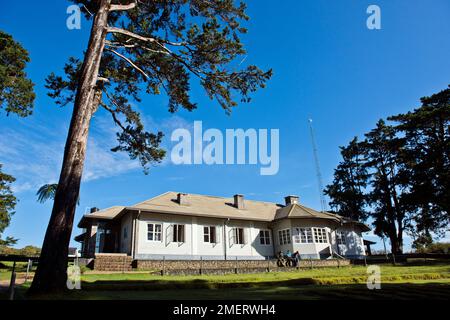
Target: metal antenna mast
[(323, 204)]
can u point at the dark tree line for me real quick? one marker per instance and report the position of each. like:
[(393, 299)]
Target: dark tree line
[(399, 174)]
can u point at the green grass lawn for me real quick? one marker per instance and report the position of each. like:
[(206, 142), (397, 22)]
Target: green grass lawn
[(401, 281), (7, 266), (352, 271)]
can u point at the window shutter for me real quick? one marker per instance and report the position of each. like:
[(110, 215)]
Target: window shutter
[(231, 236), (169, 234), (218, 233), (182, 233)]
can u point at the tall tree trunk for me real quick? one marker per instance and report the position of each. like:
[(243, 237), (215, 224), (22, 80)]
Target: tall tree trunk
[(51, 274)]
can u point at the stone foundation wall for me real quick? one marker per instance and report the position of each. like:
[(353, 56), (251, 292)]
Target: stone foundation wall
[(227, 266), (122, 262), (112, 262)]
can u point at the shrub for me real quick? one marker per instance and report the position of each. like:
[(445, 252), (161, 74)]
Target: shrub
[(438, 247)]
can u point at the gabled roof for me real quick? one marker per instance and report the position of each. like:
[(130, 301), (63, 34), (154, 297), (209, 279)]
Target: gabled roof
[(208, 206), (298, 211), (105, 214), (217, 207)]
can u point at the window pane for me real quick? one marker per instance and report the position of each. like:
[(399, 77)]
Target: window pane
[(212, 234), (241, 235), (150, 227), (158, 227)]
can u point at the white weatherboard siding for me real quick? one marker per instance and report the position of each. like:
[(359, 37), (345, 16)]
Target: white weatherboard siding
[(189, 226), (126, 234), (278, 226), (208, 250), (306, 250), (194, 246), (251, 248), (165, 247)]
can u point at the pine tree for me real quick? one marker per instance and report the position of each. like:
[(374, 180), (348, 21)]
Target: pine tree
[(137, 47), (347, 191), (387, 183), (426, 158)]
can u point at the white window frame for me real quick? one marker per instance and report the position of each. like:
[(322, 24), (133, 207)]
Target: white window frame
[(340, 238), (265, 239), (154, 232), (320, 235), (176, 234), (208, 231), (303, 235), (284, 236)]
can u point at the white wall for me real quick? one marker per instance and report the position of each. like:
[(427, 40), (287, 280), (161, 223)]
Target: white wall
[(194, 246), (125, 244), (313, 250), (354, 245), (252, 246), (281, 225)]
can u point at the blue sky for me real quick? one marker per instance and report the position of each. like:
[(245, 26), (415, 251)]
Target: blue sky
[(327, 66)]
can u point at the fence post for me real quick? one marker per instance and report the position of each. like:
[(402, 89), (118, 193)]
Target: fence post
[(365, 261), (339, 263), (201, 265), (164, 266), (268, 264), (12, 283), (235, 266), (311, 263), (28, 269), (393, 259)]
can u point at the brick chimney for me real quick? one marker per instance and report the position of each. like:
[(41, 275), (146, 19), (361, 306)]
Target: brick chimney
[(291, 200), (239, 201), (94, 209), (182, 199)]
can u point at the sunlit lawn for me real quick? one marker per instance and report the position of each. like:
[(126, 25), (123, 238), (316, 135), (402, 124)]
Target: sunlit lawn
[(401, 281)]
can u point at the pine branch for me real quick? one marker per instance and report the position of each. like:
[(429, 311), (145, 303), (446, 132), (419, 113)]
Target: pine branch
[(113, 114), (129, 61), (142, 38), (125, 7)]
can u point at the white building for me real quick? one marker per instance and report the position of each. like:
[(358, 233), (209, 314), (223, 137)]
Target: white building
[(189, 226)]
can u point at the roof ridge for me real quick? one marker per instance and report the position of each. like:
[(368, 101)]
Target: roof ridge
[(152, 198), (203, 195), (308, 210)]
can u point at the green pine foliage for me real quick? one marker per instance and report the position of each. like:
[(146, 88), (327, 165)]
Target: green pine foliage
[(16, 90), (162, 47)]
